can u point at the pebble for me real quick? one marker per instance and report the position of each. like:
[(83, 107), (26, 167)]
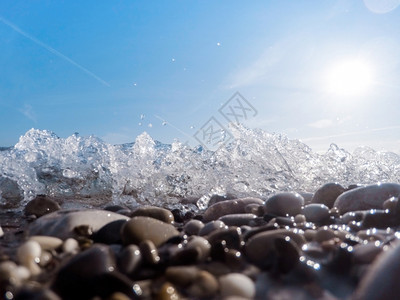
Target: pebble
[(47, 242), (129, 259), (283, 204), (261, 248), (70, 246), (328, 193), (236, 206), (41, 206), (139, 229), (158, 213), (236, 284), (62, 223), (238, 219), (11, 273), (28, 255), (109, 233), (368, 197), (316, 213), (182, 276), (168, 292), (382, 278), (204, 286), (366, 253), (149, 252), (324, 234), (211, 226), (193, 227), (1, 232)]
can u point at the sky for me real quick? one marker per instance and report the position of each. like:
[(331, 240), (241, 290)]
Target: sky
[(319, 71)]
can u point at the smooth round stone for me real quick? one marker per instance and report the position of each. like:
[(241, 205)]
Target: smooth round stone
[(299, 219), (158, 213), (369, 197), (200, 243), (47, 242), (149, 252), (236, 206), (237, 219), (324, 234), (328, 193), (262, 247), (11, 272), (193, 227), (283, 204), (211, 226), (366, 253), (182, 276), (70, 246), (62, 223), (1, 232), (139, 229), (129, 259), (236, 284), (382, 278), (316, 213), (40, 206), (256, 209), (168, 292), (205, 285), (109, 233), (28, 255)]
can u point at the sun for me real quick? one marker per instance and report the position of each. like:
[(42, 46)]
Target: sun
[(350, 78)]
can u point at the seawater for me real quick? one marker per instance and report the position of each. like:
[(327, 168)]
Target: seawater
[(256, 163)]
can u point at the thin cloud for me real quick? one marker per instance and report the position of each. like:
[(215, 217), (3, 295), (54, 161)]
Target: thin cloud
[(320, 124), (52, 50), (28, 112)]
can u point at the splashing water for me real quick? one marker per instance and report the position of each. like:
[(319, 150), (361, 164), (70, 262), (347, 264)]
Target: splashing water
[(256, 163)]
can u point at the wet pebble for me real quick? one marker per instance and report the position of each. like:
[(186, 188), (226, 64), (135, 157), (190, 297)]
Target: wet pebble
[(29, 256), (129, 259), (193, 227), (109, 233), (182, 276), (40, 206), (381, 280), (364, 198), (158, 213), (366, 253), (168, 292), (324, 234), (62, 224), (236, 206), (283, 204), (47, 242), (70, 246), (139, 229), (149, 252), (238, 219), (328, 193), (204, 286), (236, 284), (211, 226), (1, 232), (316, 213)]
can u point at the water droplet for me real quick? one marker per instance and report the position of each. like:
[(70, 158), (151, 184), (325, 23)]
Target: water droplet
[(140, 123), (192, 127), (173, 59), (150, 125), (164, 123), (142, 116), (218, 44), (134, 84)]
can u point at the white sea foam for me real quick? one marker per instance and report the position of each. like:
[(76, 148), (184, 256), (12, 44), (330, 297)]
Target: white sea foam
[(256, 163)]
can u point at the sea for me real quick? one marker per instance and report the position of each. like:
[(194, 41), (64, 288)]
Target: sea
[(254, 163)]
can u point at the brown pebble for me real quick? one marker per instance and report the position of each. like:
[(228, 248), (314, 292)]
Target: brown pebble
[(158, 213), (236, 206), (168, 292), (40, 206), (205, 285)]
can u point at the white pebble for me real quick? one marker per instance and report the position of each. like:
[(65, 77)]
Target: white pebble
[(236, 284), (47, 242), (29, 256), (1, 232), (70, 246)]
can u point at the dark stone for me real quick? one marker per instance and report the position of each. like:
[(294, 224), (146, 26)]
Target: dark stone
[(283, 204), (227, 207), (328, 193), (109, 233), (158, 213)]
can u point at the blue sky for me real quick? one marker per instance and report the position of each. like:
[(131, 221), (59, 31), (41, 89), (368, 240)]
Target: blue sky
[(117, 68)]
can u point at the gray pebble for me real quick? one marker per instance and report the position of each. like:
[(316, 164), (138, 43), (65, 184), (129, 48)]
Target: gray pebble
[(283, 204)]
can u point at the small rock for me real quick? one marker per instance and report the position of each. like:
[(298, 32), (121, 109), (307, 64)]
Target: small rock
[(382, 278), (324, 234), (283, 204), (204, 286), (149, 252), (182, 275), (369, 197), (62, 223), (236, 284), (227, 207), (109, 233), (47, 242), (193, 227), (70, 246), (129, 259), (316, 213), (237, 219), (40, 206), (29, 256), (1, 232), (328, 193), (158, 213), (139, 229), (366, 253), (168, 292), (211, 226)]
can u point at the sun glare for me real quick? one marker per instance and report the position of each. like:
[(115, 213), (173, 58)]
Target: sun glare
[(350, 78)]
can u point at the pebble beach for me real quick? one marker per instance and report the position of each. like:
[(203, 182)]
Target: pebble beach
[(337, 242)]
